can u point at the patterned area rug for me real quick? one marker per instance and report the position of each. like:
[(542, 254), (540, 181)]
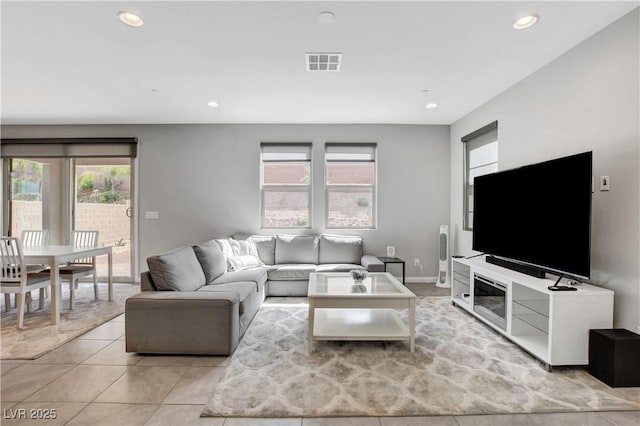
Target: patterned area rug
[(39, 336), (459, 367)]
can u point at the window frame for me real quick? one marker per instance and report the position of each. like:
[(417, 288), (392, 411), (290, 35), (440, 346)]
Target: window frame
[(300, 146), (374, 186), (467, 140)]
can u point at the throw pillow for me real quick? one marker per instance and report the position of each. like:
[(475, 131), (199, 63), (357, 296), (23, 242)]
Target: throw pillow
[(177, 271), (212, 259), (239, 263), (243, 247), (225, 247), (266, 246)]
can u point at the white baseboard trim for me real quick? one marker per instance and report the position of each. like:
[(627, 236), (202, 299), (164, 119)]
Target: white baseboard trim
[(423, 280)]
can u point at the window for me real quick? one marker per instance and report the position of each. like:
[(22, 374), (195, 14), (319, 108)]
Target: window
[(286, 185), (480, 158), (350, 177)]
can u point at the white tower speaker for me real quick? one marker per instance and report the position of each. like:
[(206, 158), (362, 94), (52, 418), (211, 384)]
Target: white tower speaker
[(444, 276)]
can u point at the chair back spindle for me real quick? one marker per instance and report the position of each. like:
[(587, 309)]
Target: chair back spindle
[(12, 259), (85, 239), (35, 238)]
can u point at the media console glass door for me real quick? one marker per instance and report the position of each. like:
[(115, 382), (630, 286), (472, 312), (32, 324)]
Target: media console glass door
[(490, 300)]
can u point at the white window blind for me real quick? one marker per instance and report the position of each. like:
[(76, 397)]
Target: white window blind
[(69, 147), (286, 152), (355, 152)]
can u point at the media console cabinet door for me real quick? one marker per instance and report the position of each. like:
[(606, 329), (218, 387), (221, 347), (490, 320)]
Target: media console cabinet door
[(571, 319)]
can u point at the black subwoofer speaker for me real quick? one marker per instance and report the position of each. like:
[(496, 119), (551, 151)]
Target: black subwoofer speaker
[(614, 357)]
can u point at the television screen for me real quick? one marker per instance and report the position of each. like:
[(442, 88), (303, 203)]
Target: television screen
[(538, 214)]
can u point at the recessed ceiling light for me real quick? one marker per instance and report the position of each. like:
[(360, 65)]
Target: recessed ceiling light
[(431, 105), (130, 18), (326, 17), (525, 22), (213, 104)]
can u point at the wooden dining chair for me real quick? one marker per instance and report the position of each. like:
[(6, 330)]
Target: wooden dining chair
[(79, 268), (14, 277)]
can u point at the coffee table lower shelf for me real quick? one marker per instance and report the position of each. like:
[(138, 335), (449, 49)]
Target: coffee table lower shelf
[(359, 324)]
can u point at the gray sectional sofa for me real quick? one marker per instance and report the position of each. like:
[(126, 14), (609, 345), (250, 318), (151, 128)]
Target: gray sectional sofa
[(201, 299)]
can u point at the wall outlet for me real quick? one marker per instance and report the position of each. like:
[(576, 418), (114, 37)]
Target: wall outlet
[(416, 263), (391, 251)]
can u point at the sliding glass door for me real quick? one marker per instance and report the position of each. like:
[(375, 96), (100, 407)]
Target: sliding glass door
[(65, 194), (102, 202)]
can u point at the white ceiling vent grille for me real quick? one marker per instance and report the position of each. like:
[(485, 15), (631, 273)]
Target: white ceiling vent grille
[(324, 62)]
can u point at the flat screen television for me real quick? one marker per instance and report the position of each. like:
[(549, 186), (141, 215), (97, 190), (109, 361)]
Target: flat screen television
[(539, 215)]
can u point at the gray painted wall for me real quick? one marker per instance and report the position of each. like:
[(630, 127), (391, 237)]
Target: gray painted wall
[(204, 181), (585, 100)]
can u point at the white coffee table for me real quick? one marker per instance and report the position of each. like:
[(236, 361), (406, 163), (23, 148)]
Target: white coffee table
[(338, 312)]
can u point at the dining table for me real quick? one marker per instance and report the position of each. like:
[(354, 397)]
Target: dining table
[(54, 256)]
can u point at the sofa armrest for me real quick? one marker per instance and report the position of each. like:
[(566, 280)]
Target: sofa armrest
[(372, 263), (174, 322)]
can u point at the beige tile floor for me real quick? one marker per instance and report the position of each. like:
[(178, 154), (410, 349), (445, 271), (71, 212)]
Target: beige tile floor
[(92, 381)]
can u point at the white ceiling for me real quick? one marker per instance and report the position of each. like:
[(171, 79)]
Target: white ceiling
[(75, 63)]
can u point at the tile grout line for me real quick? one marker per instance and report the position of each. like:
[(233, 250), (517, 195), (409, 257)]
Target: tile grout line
[(74, 366), (173, 387), (604, 418), (46, 384), (115, 380), (86, 404), (114, 341)]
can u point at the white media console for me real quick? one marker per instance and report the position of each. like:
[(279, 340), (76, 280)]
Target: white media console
[(553, 326)]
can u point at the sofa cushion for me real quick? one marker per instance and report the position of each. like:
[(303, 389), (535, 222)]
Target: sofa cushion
[(244, 290), (296, 249), (178, 270), (266, 247), (291, 271), (211, 259), (256, 275), (296, 288), (338, 267), (340, 249)]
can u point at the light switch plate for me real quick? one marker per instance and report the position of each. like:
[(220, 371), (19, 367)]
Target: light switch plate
[(605, 183), (152, 215)]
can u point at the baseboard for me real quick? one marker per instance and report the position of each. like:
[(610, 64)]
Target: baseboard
[(423, 280)]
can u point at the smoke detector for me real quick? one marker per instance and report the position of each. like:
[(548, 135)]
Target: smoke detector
[(324, 62)]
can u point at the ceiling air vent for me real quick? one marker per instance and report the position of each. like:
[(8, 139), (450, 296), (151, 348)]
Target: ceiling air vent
[(324, 62)]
